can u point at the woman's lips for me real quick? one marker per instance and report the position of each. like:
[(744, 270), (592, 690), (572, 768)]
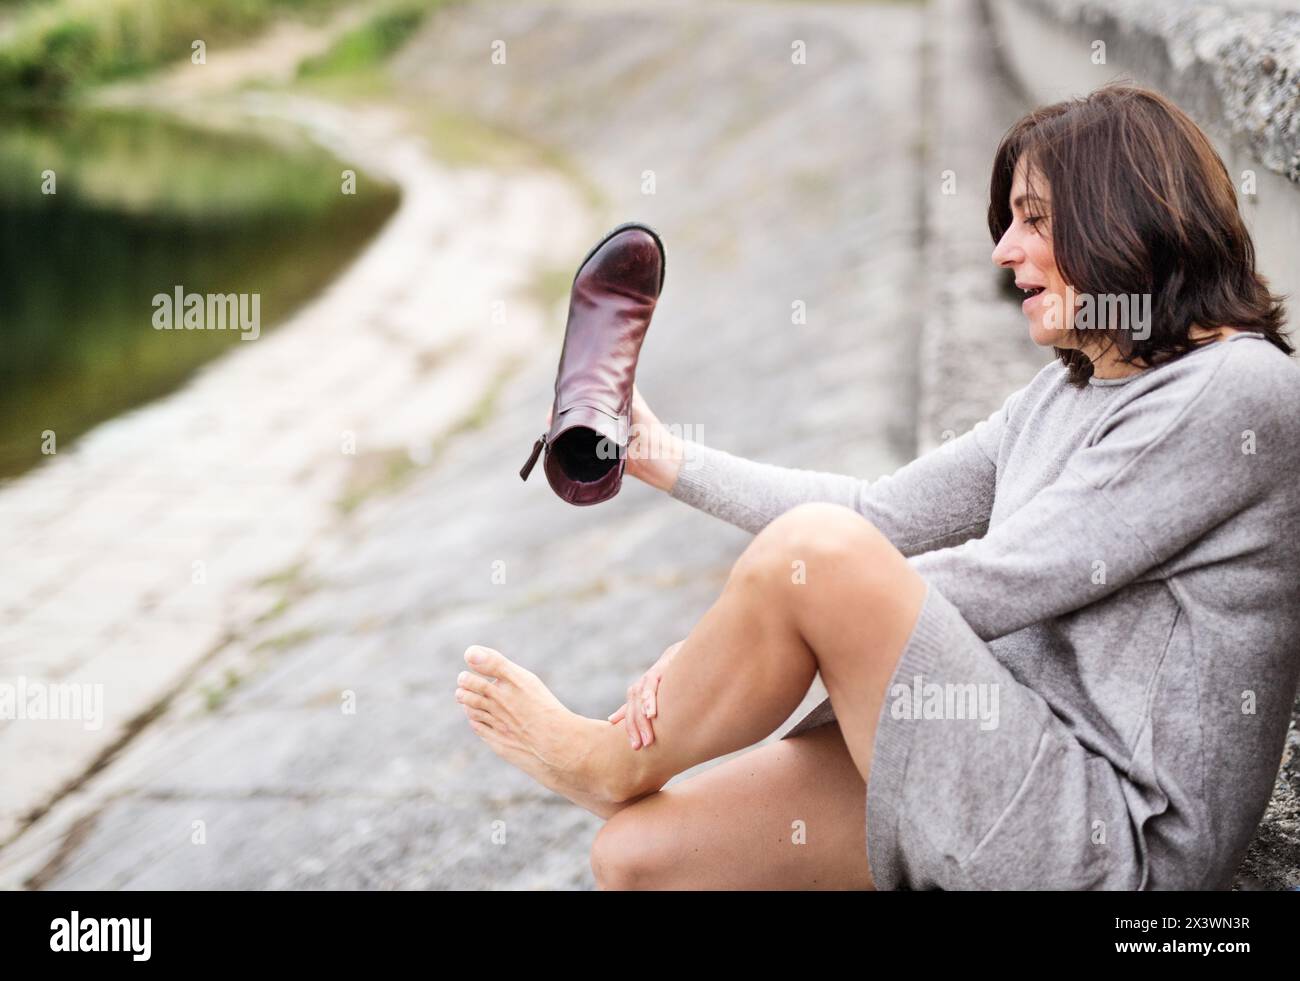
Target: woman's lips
[(1028, 303)]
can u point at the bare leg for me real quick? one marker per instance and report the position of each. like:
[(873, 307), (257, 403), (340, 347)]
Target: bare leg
[(787, 815), (818, 588)]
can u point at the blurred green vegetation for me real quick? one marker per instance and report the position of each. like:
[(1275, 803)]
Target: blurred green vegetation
[(51, 47), (368, 46), (145, 204), (142, 165)]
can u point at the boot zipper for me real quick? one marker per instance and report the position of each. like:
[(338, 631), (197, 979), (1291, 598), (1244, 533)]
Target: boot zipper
[(532, 458)]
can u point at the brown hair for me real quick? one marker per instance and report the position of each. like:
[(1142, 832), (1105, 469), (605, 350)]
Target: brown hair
[(1140, 204)]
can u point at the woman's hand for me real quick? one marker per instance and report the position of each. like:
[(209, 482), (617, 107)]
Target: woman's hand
[(642, 703), (654, 454)]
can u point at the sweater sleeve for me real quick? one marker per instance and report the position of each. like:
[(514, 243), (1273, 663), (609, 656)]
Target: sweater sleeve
[(1158, 473), (941, 498)]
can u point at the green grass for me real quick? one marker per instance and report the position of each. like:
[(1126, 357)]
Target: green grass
[(368, 46), (375, 472), (59, 46), (215, 695), (282, 642)]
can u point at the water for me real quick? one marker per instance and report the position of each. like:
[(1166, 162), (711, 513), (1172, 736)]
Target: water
[(143, 205)]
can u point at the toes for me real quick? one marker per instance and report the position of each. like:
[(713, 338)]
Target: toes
[(492, 663), (472, 700), (475, 683)]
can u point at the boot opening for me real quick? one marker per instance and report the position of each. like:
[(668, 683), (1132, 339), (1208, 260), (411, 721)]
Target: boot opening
[(579, 451)]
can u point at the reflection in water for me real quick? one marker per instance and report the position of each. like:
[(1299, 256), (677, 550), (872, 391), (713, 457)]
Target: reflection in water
[(142, 206)]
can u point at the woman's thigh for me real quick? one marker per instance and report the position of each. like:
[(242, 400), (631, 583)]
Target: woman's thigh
[(790, 814)]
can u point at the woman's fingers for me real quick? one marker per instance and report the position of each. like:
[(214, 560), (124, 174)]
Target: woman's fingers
[(654, 676), (651, 700), (647, 731), (640, 410), (647, 728), (639, 731), (642, 703)]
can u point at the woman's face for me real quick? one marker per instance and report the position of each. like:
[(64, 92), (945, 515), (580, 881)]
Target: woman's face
[(1026, 249)]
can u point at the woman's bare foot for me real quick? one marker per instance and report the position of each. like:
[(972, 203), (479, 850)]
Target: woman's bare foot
[(523, 723)]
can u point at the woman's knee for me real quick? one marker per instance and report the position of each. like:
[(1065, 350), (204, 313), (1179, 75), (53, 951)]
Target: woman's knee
[(624, 855), (808, 541)]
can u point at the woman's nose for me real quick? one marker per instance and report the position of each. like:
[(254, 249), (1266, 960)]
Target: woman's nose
[(1007, 252)]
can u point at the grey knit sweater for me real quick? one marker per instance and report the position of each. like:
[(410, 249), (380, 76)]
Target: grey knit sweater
[(1130, 550)]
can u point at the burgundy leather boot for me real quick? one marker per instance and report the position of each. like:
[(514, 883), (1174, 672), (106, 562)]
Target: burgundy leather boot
[(612, 299)]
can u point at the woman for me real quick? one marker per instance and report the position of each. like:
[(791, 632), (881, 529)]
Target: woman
[(1060, 650)]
